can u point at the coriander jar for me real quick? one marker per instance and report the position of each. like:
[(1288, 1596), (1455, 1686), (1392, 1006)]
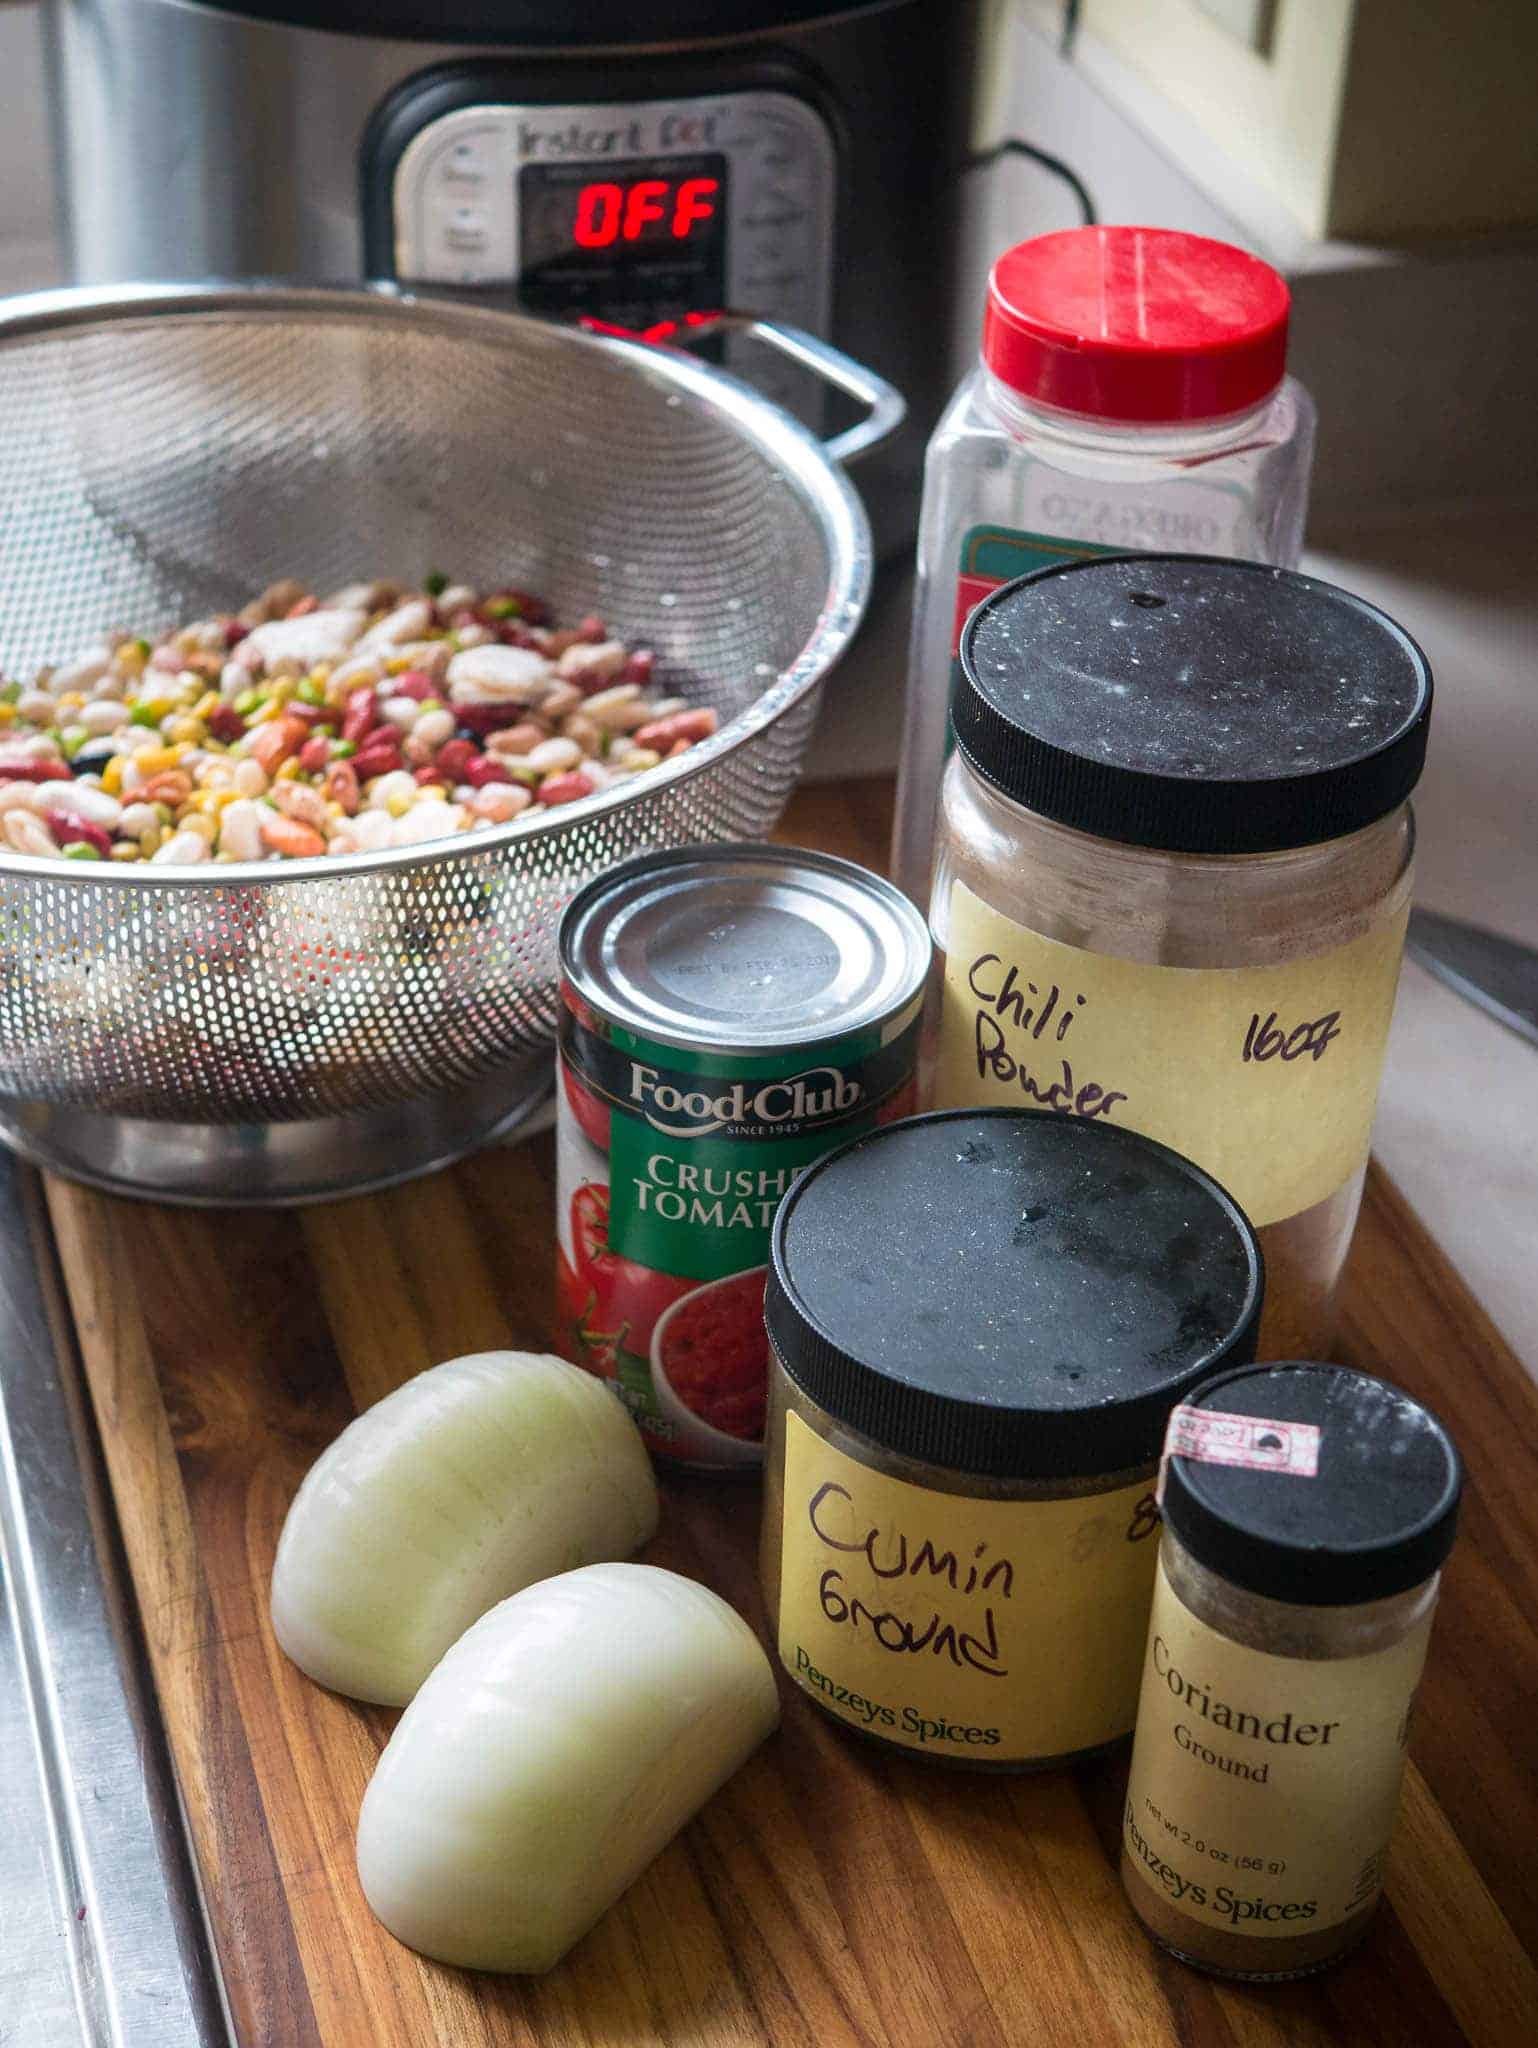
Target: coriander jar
[(1173, 877), (978, 1325), (1308, 1511)]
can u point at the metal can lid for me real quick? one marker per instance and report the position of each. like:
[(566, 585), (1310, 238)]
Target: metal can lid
[(1192, 704), (1375, 1516), (744, 948), (1010, 1292)]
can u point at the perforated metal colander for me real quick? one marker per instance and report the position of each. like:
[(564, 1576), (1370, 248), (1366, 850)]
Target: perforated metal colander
[(280, 1032)]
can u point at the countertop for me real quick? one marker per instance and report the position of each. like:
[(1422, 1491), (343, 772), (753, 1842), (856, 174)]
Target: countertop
[(833, 1895), (1458, 1116)]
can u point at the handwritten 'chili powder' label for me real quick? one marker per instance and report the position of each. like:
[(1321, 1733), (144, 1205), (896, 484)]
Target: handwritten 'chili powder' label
[(1266, 1076), (990, 1631)]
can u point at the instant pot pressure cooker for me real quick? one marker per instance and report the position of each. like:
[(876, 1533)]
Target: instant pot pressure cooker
[(625, 161)]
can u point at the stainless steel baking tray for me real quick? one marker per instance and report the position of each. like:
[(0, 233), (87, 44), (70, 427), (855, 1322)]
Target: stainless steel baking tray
[(102, 1939)]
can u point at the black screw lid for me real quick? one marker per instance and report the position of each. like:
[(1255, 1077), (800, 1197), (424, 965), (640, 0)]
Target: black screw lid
[(1377, 1518), (1192, 704), (1010, 1292)]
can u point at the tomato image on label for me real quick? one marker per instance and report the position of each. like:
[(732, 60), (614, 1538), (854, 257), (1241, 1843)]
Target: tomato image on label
[(710, 1355), (610, 1304), (669, 1176), (591, 1114)]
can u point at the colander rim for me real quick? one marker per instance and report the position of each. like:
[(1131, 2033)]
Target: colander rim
[(28, 318)]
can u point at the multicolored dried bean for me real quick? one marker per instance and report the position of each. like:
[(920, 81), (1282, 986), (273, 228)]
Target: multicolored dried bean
[(376, 716)]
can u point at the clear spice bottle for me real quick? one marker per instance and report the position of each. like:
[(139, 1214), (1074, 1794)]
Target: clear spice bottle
[(1173, 878), (1131, 393), (979, 1324), (1308, 1511)]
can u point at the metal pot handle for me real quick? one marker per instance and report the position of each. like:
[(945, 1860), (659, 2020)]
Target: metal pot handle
[(888, 407)]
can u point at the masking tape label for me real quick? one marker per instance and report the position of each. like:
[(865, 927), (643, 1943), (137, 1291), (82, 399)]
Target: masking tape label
[(990, 1630), (1266, 1076)]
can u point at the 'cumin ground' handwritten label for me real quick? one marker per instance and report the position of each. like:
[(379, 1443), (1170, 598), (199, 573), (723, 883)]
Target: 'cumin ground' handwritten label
[(995, 1629), (1266, 1076)]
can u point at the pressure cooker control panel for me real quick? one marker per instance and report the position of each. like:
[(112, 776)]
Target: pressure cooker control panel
[(633, 213)]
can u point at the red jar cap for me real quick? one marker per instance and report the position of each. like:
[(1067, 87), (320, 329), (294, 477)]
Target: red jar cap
[(1131, 323)]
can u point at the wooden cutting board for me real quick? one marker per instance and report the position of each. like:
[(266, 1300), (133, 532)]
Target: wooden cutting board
[(831, 1894)]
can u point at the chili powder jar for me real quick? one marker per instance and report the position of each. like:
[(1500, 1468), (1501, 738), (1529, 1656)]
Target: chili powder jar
[(980, 1322), (1308, 1511), (729, 1013), (1173, 877)]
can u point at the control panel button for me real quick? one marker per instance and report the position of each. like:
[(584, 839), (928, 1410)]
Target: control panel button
[(465, 228), (462, 164)]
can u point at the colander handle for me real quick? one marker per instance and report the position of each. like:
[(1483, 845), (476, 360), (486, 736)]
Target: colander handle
[(888, 407)]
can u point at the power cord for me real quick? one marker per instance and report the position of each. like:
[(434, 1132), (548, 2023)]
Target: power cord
[(1013, 146)]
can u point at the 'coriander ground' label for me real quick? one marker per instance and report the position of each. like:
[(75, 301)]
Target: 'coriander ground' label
[(1266, 1076), (994, 1631), (1264, 1789)]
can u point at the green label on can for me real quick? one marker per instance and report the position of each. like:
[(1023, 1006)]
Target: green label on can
[(699, 1207), (700, 1154)]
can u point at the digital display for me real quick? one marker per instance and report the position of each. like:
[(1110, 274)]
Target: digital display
[(624, 242)]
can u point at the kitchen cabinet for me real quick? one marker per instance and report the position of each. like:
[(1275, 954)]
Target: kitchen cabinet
[(1367, 119)]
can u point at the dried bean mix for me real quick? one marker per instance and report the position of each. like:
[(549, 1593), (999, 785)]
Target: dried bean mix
[(375, 717)]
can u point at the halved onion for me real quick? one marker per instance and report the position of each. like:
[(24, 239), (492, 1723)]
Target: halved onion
[(556, 1749), (469, 1482)]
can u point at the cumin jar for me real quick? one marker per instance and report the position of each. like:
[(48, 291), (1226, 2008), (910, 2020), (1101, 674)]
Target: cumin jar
[(979, 1323), (1173, 879)]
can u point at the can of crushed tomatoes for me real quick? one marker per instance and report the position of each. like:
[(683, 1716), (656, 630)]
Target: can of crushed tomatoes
[(728, 1015)]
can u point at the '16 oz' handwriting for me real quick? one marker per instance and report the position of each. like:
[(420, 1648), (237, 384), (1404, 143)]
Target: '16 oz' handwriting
[(1268, 1041)]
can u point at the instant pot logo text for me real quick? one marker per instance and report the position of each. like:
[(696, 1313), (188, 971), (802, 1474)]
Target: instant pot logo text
[(640, 135), (795, 1100)]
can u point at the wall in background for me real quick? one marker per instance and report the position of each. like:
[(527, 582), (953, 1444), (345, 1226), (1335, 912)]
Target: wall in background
[(1419, 355), (27, 251)]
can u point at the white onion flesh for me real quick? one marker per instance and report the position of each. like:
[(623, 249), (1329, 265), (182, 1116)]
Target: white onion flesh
[(466, 1484), (552, 1754)]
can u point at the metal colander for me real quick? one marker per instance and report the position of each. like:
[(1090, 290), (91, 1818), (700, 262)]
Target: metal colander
[(266, 1032)]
